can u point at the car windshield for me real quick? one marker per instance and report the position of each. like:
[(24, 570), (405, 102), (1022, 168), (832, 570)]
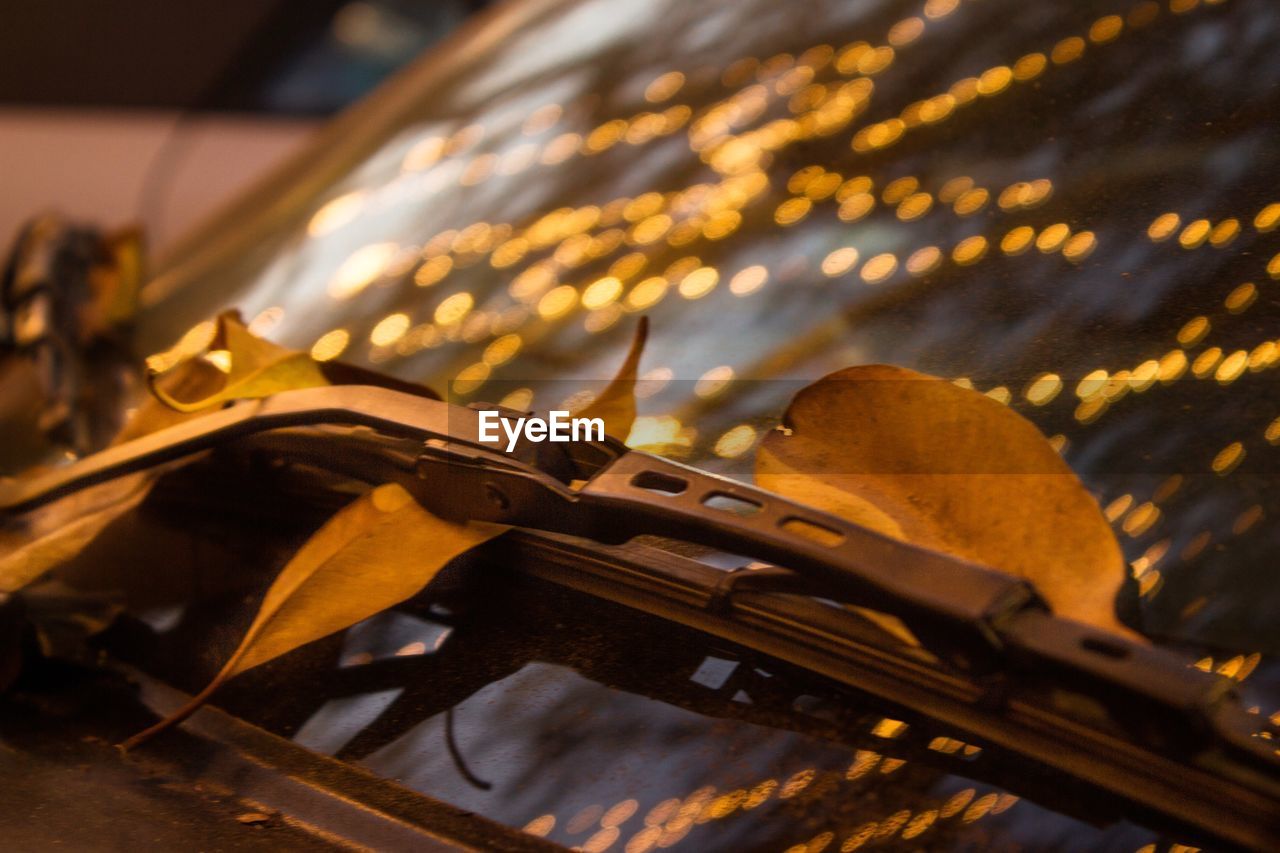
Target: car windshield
[(1069, 206)]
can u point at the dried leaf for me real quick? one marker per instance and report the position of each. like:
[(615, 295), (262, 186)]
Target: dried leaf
[(378, 551), (65, 529), (75, 527), (616, 405), (254, 368), (22, 399), (923, 460), (115, 282), (193, 378), (183, 384)]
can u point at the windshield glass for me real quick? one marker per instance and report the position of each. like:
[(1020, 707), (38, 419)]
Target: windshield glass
[(1070, 206)]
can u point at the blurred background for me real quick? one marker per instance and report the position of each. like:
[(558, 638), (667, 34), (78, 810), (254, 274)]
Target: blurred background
[(154, 112)]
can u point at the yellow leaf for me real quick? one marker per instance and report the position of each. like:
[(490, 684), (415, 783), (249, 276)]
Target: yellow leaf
[(254, 368), (923, 460), (116, 279), (22, 400), (64, 529), (616, 405), (184, 384), (193, 378), (373, 554)]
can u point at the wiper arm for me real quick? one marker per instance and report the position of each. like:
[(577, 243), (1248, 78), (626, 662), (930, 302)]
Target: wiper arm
[(960, 605), (989, 626)]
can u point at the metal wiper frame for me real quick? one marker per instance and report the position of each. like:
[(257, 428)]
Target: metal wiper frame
[(1004, 668)]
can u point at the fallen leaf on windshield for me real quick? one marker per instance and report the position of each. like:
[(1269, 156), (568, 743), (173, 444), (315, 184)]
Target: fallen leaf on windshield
[(234, 364), (616, 405), (923, 460), (63, 530), (253, 368), (22, 399), (373, 554), (193, 378), (115, 281), (52, 544)]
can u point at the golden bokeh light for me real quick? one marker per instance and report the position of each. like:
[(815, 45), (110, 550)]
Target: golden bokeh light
[(1079, 246), (470, 378), (453, 309), (520, 400), (856, 206), (1231, 367), (748, 280), (839, 261), (647, 293), (914, 206), (969, 250), (1193, 331), (360, 269), (792, 211), (433, 270), (501, 350), (896, 191), (1163, 226), (699, 283), (713, 381), (601, 292), (971, 201), (1206, 362), (1043, 389), (1053, 237), (1018, 240), (1268, 218), (995, 80), (1241, 298), (664, 87), (924, 261), (389, 330), (1224, 233), (1228, 459), (1029, 67), (557, 302), (336, 213), (1106, 29), (879, 268), (735, 442), (1194, 235), (1068, 50)]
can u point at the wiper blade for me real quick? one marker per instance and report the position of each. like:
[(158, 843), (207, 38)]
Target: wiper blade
[(990, 628)]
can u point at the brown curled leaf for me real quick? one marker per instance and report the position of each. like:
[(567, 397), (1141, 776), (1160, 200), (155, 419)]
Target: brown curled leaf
[(254, 368), (373, 554), (923, 460), (616, 404), (63, 530), (184, 384)]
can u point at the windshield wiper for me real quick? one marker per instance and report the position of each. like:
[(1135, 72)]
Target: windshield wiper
[(1002, 656)]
